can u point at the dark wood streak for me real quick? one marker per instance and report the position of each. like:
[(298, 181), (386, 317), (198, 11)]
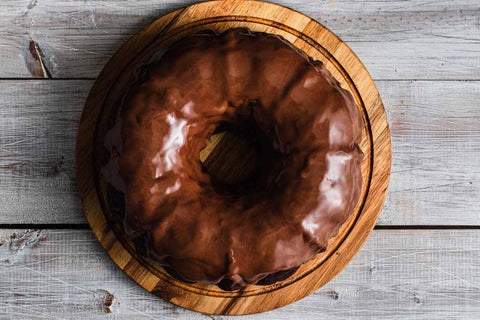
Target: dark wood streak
[(37, 67)]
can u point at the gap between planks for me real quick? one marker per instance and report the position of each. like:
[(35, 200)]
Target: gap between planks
[(374, 79), (85, 226)]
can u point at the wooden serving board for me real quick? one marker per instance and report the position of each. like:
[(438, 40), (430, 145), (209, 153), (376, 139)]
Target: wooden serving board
[(316, 41)]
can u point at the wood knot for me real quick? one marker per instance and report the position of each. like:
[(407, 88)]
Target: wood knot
[(105, 300), (35, 61), (333, 294), (416, 299)]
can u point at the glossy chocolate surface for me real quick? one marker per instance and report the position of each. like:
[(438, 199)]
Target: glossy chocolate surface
[(304, 130)]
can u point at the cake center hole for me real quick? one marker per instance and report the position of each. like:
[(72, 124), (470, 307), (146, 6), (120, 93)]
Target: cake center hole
[(229, 158), (240, 158)]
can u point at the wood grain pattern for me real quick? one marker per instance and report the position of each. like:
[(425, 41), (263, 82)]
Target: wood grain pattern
[(400, 274), (38, 122), (436, 164), (317, 42), (417, 39), (435, 176)]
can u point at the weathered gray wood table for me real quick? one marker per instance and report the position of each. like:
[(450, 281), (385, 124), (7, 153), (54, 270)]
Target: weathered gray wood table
[(423, 259)]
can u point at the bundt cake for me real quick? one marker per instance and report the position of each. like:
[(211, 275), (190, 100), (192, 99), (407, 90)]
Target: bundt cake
[(304, 179)]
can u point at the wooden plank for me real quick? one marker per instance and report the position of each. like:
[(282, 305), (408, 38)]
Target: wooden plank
[(38, 125), (421, 274), (435, 175), (395, 39), (435, 130)]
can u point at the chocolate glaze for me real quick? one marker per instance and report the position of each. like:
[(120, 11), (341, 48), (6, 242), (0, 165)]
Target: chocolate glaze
[(305, 130)]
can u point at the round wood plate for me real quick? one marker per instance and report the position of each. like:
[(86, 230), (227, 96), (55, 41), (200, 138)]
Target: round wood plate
[(316, 41)]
